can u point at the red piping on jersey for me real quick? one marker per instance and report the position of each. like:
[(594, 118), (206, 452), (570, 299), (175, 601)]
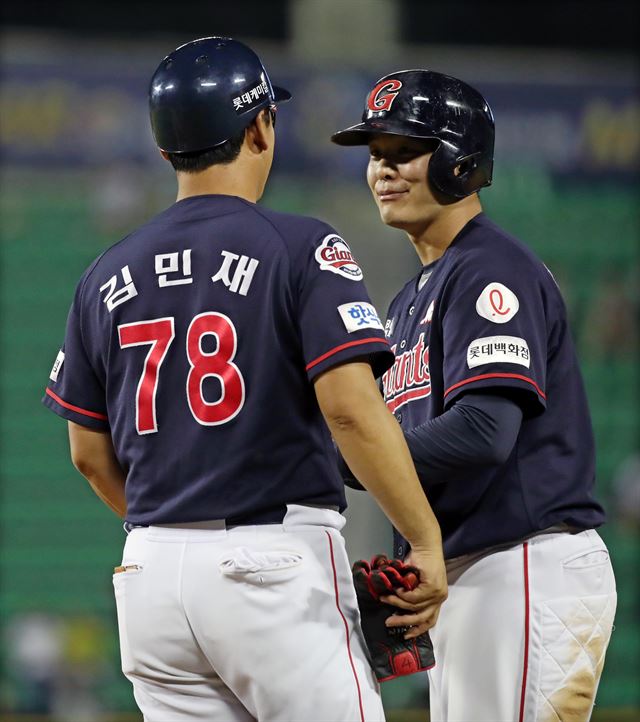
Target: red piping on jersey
[(525, 549), (342, 347), (346, 626), (77, 409), (497, 376)]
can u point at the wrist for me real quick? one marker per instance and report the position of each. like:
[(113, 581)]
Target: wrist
[(428, 543)]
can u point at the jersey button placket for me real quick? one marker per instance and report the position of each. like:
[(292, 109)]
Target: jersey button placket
[(411, 310)]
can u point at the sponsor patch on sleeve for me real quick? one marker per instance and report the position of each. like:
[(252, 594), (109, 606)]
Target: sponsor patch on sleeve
[(358, 315), (57, 365), (497, 303), (498, 349), (334, 255)]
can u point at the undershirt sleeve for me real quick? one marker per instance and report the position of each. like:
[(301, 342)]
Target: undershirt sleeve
[(479, 429)]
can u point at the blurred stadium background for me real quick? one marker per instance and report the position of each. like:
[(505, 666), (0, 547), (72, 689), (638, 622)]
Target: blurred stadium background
[(79, 170)]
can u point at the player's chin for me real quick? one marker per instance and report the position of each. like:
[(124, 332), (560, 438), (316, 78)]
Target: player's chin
[(391, 217), (389, 214)]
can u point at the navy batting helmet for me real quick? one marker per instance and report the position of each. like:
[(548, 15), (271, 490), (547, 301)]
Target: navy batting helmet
[(424, 104), (207, 91)]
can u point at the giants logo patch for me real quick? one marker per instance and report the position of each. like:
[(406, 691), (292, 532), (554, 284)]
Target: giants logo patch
[(379, 100), (409, 378), (334, 255)]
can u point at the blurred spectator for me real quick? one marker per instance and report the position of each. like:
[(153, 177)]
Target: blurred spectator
[(57, 667), (34, 651), (610, 325)]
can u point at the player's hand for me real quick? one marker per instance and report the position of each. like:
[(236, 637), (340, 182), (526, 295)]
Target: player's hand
[(392, 654), (422, 604)]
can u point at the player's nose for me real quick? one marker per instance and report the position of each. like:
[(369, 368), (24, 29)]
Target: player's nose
[(385, 169)]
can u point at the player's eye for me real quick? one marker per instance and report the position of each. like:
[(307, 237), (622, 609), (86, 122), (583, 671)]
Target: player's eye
[(405, 153)]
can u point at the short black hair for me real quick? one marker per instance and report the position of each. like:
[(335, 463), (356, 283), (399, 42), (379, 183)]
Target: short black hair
[(222, 154), (200, 160)]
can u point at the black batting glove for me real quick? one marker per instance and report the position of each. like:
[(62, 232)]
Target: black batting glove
[(391, 654)]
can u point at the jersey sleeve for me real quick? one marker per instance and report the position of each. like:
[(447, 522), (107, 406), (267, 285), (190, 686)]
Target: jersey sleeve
[(74, 390), (337, 321), (494, 334)]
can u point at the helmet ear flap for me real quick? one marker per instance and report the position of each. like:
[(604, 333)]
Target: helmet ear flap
[(475, 171), (458, 177), (466, 165), (441, 171)]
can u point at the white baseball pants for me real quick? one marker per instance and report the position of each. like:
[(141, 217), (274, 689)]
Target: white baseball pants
[(246, 623), (523, 634)]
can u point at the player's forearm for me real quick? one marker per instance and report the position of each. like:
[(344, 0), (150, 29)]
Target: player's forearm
[(374, 448), (93, 455), (110, 490), (373, 445)]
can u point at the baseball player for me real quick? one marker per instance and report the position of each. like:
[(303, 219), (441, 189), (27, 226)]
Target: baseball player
[(487, 389), (203, 355)]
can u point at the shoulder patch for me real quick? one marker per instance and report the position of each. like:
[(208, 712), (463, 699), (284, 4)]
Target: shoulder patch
[(498, 349), (334, 255), (57, 365), (497, 303), (358, 315)]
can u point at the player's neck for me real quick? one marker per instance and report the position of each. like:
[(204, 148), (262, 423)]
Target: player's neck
[(432, 238), (233, 179)]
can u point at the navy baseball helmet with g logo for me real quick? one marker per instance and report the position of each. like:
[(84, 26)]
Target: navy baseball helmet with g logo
[(208, 91), (425, 104)]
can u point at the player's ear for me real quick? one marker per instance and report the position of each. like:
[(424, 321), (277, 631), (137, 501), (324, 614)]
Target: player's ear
[(257, 133), (164, 154)]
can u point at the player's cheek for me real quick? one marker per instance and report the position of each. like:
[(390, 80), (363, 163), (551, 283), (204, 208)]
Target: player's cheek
[(371, 176)]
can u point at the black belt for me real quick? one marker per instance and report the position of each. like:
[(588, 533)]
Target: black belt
[(268, 516), (265, 516)]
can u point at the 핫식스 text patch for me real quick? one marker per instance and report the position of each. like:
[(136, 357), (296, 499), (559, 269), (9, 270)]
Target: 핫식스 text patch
[(358, 315)]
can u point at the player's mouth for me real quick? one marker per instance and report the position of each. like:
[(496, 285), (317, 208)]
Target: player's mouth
[(384, 196)]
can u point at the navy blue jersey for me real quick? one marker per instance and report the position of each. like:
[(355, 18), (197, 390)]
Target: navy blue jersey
[(489, 315), (195, 340)]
